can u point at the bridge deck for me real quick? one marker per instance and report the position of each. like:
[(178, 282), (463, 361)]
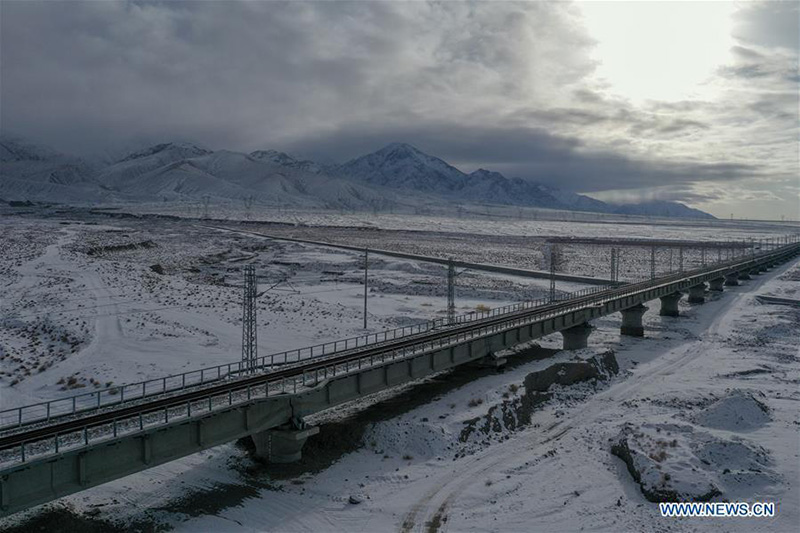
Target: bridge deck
[(53, 458)]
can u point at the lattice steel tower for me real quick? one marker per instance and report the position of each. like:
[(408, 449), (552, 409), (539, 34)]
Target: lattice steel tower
[(249, 330)]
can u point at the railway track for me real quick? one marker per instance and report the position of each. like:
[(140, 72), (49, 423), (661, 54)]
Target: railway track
[(49, 430), (13, 438)]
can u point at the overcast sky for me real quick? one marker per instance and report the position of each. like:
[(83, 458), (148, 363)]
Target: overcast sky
[(688, 101)]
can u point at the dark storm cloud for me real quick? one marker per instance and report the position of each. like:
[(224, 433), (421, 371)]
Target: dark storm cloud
[(521, 152), (507, 86), (234, 74)]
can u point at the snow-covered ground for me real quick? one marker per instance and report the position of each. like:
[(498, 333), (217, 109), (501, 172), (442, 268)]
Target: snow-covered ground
[(485, 220), (455, 452), (87, 306)]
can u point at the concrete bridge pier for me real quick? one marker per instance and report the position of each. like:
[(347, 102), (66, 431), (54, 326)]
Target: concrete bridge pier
[(716, 284), (283, 444), (754, 271), (744, 275), (577, 337), (669, 304), (632, 321), (732, 279), (697, 293)]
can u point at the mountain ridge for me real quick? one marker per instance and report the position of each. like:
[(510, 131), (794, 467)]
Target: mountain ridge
[(395, 174)]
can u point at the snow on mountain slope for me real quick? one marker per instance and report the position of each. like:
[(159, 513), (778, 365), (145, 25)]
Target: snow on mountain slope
[(178, 179), (33, 172), (24, 161), (124, 174), (276, 180), (13, 149), (285, 160), (394, 175), (401, 166), (483, 184), (175, 171)]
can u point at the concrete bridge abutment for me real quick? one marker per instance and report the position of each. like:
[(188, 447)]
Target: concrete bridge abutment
[(632, 321), (283, 444), (732, 279), (669, 304), (577, 337), (716, 284), (697, 293)]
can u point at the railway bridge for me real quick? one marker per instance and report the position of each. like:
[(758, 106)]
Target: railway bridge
[(52, 449)]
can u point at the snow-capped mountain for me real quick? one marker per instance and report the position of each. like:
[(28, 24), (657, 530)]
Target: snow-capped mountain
[(285, 160), (487, 184), (395, 175), (174, 172), (32, 171), (22, 160), (402, 166)]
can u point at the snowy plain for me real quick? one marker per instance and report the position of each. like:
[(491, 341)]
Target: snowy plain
[(79, 303)]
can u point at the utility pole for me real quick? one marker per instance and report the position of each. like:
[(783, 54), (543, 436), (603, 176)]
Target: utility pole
[(249, 327), (366, 279), (613, 264), (652, 262), (703, 255), (680, 259), (451, 292), (551, 253)]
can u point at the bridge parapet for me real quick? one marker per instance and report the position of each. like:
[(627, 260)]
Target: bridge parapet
[(44, 463)]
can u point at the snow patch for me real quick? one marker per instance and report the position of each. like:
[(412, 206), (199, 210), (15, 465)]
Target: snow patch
[(739, 411)]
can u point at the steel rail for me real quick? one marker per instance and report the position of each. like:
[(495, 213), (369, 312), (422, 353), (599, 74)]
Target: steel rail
[(45, 411), (488, 325), (259, 379)]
